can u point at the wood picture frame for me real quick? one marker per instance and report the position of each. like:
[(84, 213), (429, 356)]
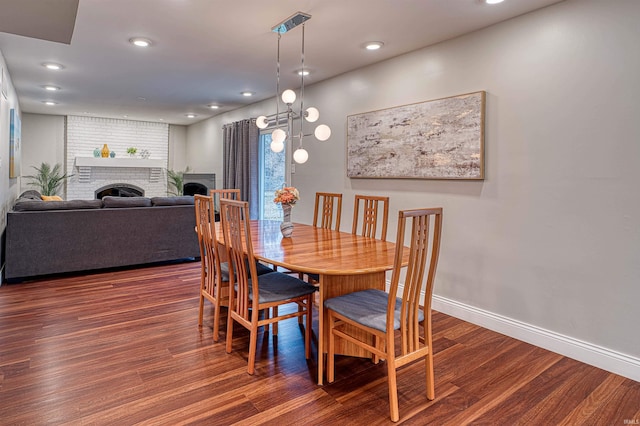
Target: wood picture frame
[(437, 139)]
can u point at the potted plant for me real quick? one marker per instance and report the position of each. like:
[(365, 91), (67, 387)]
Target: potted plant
[(176, 179), (132, 151), (48, 179)]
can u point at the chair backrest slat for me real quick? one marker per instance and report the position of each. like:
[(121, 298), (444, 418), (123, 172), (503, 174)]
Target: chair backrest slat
[(370, 207), (424, 249), (328, 206)]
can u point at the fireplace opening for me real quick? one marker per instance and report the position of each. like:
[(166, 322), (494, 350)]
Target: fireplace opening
[(119, 190), (198, 183), (193, 188)]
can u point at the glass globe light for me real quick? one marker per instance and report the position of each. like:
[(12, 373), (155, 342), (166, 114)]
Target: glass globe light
[(312, 114), (288, 96), (262, 122), (300, 155), (277, 146), (278, 135), (322, 132)]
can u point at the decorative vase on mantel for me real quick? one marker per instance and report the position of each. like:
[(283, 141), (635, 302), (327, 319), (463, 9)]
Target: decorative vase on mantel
[(286, 227), (105, 151)]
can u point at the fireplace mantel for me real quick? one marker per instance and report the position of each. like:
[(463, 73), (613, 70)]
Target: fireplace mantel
[(150, 163), (85, 164)]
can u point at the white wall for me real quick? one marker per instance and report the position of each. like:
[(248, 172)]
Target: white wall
[(550, 240), (177, 147), (8, 187), (45, 134)]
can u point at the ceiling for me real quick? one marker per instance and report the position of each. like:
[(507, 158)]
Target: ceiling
[(208, 51)]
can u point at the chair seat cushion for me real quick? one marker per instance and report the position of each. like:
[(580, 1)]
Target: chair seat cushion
[(224, 270), (277, 286), (368, 307)]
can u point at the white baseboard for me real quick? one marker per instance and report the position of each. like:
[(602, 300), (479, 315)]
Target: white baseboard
[(588, 353)]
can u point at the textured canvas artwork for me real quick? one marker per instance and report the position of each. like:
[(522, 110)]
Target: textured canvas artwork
[(14, 144), (439, 139)]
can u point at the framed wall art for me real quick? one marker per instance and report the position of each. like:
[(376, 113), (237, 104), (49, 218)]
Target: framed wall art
[(14, 144), (438, 139)]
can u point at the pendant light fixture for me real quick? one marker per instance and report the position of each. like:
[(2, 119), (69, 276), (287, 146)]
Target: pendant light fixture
[(284, 126)]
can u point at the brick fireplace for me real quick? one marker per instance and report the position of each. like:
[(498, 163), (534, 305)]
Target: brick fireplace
[(85, 134)]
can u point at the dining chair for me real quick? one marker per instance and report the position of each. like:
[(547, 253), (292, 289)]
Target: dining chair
[(253, 293), (214, 275), (328, 208), (381, 315), (370, 206), (217, 194)]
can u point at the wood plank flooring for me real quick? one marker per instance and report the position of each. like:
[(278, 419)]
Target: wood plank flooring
[(124, 348)]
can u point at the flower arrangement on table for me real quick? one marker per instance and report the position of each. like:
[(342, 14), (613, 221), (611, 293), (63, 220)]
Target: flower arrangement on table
[(286, 196)]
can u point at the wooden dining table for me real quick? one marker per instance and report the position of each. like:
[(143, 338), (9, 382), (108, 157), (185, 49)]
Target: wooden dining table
[(344, 262)]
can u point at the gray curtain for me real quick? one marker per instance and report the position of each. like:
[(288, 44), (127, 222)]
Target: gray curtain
[(240, 165)]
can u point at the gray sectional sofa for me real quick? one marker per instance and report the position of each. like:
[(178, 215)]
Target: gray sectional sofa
[(50, 237)]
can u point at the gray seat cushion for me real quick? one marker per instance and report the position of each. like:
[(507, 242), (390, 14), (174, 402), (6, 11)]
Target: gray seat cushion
[(260, 268), (276, 286), (368, 307)]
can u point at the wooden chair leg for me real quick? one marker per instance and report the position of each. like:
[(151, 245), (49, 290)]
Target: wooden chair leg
[(376, 344), (330, 350), (216, 322), (201, 310), (431, 392), (229, 332), (393, 388), (307, 331), (300, 309), (253, 347), (275, 324)]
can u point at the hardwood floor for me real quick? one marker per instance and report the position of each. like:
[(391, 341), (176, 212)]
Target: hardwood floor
[(124, 348)]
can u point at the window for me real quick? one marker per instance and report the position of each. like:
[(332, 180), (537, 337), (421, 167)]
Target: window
[(273, 175)]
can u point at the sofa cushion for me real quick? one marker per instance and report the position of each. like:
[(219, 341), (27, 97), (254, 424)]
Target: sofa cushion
[(36, 205), (172, 201), (31, 194), (118, 202)]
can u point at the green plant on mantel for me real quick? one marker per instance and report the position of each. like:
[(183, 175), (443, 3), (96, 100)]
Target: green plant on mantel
[(176, 179), (48, 179), (132, 150)]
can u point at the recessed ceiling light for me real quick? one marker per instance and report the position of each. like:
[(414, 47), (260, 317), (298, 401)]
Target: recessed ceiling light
[(373, 45), (140, 41), (493, 1), (247, 94), (303, 72), (52, 66), (191, 115), (51, 88), (50, 103), (212, 106)]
